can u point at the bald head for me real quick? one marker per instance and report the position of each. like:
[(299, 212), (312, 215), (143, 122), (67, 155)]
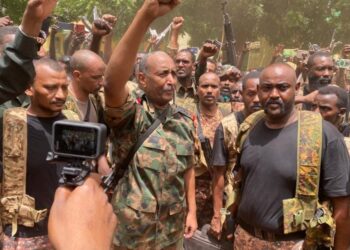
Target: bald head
[(152, 58), (87, 69), (277, 89), (279, 70), (84, 59)]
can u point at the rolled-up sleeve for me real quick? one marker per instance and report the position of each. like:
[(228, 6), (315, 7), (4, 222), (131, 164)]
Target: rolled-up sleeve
[(117, 117)]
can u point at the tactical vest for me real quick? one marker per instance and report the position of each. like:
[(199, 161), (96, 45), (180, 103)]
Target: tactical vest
[(18, 208), (230, 129), (303, 212)]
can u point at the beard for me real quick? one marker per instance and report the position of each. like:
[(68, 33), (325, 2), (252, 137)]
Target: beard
[(281, 111), (315, 82)]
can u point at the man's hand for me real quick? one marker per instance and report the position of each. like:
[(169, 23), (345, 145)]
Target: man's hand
[(152, 9), (110, 19), (208, 50), (101, 28), (36, 12), (307, 99), (216, 227), (40, 9), (82, 218), (191, 225), (5, 21), (177, 23)]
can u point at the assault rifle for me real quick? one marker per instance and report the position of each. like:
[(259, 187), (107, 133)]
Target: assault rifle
[(229, 35)]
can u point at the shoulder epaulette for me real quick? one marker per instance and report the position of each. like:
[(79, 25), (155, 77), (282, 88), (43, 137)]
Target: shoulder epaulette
[(184, 112)]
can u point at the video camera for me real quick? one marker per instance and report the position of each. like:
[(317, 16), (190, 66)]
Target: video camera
[(76, 145)]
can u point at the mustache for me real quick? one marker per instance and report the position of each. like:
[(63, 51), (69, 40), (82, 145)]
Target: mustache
[(59, 102), (256, 106), (321, 80), (274, 102), (168, 88), (325, 81)]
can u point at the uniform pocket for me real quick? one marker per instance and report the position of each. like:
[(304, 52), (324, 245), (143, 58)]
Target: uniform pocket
[(185, 156), (151, 153)]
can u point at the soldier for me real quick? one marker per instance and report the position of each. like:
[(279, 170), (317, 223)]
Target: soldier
[(155, 199), (87, 70), (187, 82), (224, 157), (282, 155), (320, 70), (209, 116), (230, 88), (29, 181), (332, 102), (212, 65)]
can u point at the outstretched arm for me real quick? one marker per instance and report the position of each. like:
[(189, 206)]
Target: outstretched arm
[(123, 58), (18, 57)]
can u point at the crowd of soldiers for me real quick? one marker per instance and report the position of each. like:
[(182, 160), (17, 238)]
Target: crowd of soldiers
[(208, 156)]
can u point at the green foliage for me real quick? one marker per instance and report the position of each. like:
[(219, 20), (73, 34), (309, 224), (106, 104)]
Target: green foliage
[(296, 23), (13, 8)]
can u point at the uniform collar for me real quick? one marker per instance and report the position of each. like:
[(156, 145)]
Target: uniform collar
[(147, 105), (186, 92)]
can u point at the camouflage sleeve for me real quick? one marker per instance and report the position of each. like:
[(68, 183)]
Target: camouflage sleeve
[(117, 117)]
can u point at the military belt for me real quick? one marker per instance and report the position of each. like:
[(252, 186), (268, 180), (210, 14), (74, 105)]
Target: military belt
[(269, 236), (26, 232)]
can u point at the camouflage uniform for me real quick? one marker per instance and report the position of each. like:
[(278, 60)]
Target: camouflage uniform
[(97, 101), (150, 200), (204, 198), (243, 241), (186, 98), (40, 243)]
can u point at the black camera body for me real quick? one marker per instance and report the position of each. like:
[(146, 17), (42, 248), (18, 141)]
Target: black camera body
[(76, 144)]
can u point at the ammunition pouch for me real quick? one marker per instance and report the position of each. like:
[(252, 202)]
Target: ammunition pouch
[(20, 210), (304, 212), (313, 218)]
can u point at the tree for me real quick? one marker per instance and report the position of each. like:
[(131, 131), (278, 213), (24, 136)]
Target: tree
[(14, 9), (295, 23)]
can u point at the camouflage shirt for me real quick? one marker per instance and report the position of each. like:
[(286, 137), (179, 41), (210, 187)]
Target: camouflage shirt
[(97, 101), (149, 200), (186, 97)]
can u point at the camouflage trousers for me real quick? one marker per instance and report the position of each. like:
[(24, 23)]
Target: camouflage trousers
[(34, 243), (245, 241), (204, 200), (176, 246), (149, 231)]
